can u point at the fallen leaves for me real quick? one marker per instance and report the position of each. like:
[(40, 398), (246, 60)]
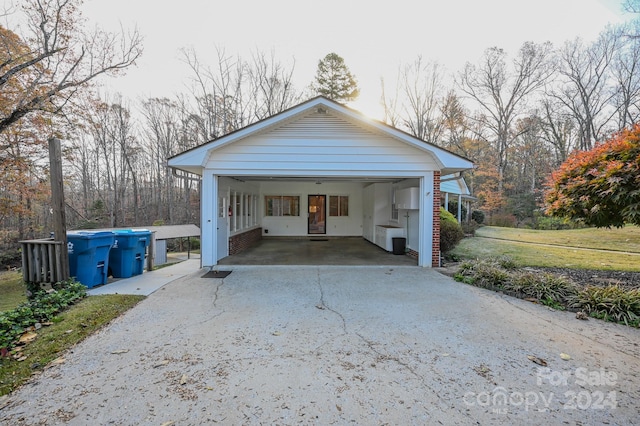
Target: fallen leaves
[(27, 337), (537, 360)]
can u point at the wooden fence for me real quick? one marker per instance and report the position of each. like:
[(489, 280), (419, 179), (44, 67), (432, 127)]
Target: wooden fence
[(42, 261)]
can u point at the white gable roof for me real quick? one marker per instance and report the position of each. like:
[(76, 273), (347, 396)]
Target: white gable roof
[(324, 137)]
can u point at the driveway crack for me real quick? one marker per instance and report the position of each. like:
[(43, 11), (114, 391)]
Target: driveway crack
[(323, 304)]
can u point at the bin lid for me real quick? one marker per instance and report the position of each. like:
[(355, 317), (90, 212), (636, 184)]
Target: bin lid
[(131, 231), (89, 234)]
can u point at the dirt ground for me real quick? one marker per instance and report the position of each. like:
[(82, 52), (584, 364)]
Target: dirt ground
[(338, 345)]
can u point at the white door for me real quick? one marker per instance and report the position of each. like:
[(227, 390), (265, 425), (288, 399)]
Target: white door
[(222, 232)]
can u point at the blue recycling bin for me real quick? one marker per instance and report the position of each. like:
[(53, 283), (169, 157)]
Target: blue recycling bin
[(89, 256), (127, 255)]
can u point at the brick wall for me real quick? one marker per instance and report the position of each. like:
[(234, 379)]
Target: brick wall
[(240, 242), (435, 247)]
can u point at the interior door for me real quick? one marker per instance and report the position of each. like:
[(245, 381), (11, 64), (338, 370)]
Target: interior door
[(317, 214)]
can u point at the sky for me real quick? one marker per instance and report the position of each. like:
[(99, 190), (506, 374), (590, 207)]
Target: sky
[(374, 37)]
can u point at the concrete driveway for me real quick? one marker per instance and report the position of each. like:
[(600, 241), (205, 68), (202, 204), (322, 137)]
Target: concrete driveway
[(338, 345)]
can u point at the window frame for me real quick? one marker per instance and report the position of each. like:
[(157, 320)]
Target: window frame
[(339, 206), (292, 204)]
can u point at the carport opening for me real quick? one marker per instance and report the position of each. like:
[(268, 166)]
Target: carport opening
[(355, 251)]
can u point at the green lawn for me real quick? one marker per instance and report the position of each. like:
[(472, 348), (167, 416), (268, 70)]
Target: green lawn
[(68, 328), (618, 239), (12, 290), (577, 249)]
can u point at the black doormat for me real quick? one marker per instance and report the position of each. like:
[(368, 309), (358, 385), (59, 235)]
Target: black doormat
[(216, 274), (319, 239)]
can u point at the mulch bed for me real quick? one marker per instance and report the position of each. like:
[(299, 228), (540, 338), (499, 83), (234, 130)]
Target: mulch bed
[(586, 277)]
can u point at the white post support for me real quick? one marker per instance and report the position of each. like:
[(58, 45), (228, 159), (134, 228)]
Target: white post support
[(459, 208), (425, 245), (209, 219)]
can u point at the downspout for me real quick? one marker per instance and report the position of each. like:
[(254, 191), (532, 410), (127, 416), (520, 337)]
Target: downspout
[(406, 246)]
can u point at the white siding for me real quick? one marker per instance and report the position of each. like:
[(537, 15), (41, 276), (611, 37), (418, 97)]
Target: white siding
[(320, 145), (453, 187), (297, 226)]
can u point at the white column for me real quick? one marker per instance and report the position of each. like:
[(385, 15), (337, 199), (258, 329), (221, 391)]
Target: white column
[(208, 219), (459, 208), (425, 247)]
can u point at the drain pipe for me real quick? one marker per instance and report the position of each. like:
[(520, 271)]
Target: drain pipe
[(406, 246)]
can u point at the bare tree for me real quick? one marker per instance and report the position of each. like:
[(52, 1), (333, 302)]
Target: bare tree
[(116, 150), (162, 137), (218, 93), (390, 105), (414, 103), (45, 67), (271, 86), (584, 85), (626, 77), (422, 86), (454, 123), (501, 92), (558, 129)]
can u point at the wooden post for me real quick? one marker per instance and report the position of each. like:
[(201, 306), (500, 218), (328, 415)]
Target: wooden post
[(57, 203)]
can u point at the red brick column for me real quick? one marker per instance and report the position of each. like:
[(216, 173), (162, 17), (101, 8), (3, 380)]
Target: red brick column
[(435, 245)]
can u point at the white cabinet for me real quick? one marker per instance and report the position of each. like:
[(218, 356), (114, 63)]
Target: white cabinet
[(385, 235), (376, 208), (408, 198)]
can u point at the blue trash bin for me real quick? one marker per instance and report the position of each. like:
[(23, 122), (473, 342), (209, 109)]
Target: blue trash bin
[(127, 255), (89, 256)]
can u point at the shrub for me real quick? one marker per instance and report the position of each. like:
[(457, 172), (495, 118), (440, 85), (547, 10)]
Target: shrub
[(10, 258), (478, 216), (611, 303), (549, 289), (504, 220), (548, 223), (41, 307), (451, 232), (487, 273)]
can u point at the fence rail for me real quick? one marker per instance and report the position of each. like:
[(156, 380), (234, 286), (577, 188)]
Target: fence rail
[(42, 261)]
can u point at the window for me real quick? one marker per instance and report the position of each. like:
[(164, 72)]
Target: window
[(282, 205), (338, 205), (394, 205)]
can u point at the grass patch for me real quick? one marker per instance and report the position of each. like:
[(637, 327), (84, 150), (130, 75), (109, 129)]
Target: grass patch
[(545, 256), (12, 290), (68, 328), (614, 239)]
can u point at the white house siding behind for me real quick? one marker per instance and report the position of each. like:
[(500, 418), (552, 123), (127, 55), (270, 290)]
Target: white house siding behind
[(320, 145), (350, 225)]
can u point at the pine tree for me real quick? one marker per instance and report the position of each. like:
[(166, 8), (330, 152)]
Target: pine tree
[(334, 80)]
